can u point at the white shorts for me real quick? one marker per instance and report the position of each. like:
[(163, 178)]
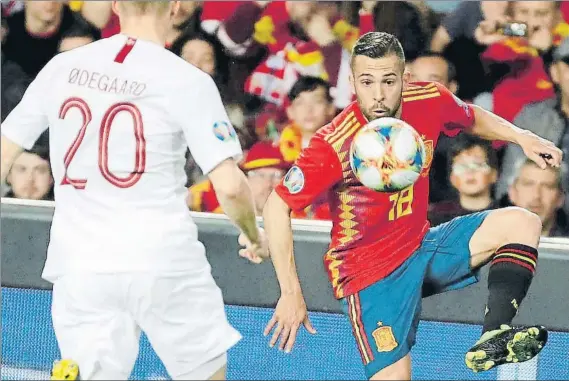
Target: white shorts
[(98, 319)]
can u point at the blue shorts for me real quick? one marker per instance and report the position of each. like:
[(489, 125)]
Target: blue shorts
[(385, 315)]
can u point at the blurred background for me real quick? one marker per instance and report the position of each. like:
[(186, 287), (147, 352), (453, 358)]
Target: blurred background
[(282, 69)]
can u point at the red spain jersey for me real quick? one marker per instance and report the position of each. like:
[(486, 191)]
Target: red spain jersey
[(373, 233)]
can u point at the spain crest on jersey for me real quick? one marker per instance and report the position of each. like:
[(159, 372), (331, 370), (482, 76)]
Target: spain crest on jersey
[(384, 338), (429, 152)]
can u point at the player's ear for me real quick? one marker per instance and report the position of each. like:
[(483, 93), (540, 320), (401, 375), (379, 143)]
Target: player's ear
[(174, 8), (352, 83), (406, 79), (115, 7)]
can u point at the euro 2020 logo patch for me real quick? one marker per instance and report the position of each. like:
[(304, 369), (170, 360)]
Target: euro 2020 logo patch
[(224, 131), (294, 180)]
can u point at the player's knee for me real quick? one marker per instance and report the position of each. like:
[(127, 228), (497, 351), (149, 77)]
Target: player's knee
[(523, 222), (401, 370), (518, 225)]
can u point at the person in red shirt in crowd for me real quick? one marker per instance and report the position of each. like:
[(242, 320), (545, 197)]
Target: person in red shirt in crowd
[(382, 251), (264, 167), (526, 59), (293, 38)]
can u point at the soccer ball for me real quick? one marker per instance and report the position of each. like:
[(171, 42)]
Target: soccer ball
[(387, 155)]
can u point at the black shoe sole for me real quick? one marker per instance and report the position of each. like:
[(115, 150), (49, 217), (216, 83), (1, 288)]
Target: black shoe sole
[(523, 346)]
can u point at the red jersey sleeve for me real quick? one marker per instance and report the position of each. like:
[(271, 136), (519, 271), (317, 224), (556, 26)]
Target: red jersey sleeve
[(456, 115), (316, 170)]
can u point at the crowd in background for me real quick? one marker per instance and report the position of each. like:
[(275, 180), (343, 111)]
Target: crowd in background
[(282, 68)]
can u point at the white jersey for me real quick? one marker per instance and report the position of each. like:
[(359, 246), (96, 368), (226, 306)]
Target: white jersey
[(121, 114)]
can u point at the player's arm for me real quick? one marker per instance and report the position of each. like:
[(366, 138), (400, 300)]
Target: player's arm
[(492, 127), (235, 198), (457, 116), (316, 171), (27, 121), (216, 149)]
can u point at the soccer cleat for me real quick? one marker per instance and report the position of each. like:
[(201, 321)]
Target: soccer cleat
[(506, 345), (65, 370)]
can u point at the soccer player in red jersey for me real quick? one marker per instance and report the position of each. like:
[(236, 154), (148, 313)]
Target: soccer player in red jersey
[(383, 256)]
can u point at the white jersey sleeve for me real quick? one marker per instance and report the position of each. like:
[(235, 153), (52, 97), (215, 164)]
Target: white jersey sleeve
[(29, 119), (208, 131)]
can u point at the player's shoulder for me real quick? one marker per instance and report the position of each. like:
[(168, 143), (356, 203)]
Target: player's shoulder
[(344, 124), (420, 91)]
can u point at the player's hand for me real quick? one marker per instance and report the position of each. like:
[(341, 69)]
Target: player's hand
[(255, 252), (541, 151), (289, 315)]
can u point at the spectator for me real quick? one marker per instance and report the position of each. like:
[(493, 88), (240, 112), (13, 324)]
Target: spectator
[(264, 167), (204, 53), (435, 67), (474, 171), (455, 37), (35, 32), (524, 59), (405, 21), (82, 33), (310, 108), (14, 85), (548, 119), (30, 177), (541, 191), (100, 14), (295, 38)]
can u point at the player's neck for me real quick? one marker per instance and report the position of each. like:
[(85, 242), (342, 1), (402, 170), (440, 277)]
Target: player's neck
[(474, 203), (143, 29), (36, 26)]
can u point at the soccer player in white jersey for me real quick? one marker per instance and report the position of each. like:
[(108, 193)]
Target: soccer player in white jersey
[(124, 254)]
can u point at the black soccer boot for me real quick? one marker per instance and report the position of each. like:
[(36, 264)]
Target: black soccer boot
[(506, 345)]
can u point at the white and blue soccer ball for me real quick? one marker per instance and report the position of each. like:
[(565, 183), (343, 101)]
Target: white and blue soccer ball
[(387, 155)]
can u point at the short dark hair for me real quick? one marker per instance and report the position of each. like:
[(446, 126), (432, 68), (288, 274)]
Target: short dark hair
[(81, 28), (465, 142), (378, 45), (41, 150), (451, 74), (308, 84)]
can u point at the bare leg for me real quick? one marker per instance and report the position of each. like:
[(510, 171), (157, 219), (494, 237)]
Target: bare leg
[(502, 227), (401, 370)]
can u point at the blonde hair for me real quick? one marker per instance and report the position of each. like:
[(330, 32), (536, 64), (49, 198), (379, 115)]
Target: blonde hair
[(145, 6)]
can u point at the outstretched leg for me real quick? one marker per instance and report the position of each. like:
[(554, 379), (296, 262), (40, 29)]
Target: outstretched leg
[(508, 239)]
